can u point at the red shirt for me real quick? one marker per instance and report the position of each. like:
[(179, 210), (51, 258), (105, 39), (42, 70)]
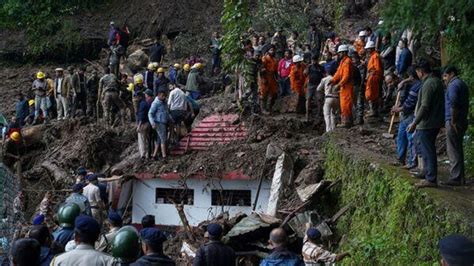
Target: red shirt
[(284, 67)]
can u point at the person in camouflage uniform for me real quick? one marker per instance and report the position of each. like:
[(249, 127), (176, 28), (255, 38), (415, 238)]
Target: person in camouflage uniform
[(109, 97), (92, 94)]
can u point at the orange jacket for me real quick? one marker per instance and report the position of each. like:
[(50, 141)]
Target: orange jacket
[(359, 46), (297, 78), (343, 75), (268, 83), (374, 77)]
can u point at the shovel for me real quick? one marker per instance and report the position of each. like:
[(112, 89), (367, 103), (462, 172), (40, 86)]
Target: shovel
[(389, 134)]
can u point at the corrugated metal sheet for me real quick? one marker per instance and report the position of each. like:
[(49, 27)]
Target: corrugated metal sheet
[(214, 129)]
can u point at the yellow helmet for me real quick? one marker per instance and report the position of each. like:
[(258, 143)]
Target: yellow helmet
[(151, 66), (31, 102), (177, 66), (198, 65), (160, 70), (40, 75), (186, 67), (15, 136), (138, 79), (131, 87)]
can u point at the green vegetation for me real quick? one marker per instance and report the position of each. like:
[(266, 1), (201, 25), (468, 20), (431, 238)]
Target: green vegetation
[(455, 19), (390, 222), (46, 23)]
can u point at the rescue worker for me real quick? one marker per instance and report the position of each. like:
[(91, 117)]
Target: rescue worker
[(182, 75), (62, 90), (148, 221), (214, 252), (456, 250), (359, 87), (40, 87), (331, 99), (114, 223), (92, 193), (173, 72), (158, 117), (315, 74), (343, 82), (79, 91), (126, 97), (21, 109), (149, 75), (86, 232), (374, 78), (109, 96), (42, 235), (280, 254), (92, 94), (52, 110), (157, 52), (80, 200), (297, 81), (152, 247), (66, 216), (138, 87), (314, 253), (81, 174), (143, 126), (268, 86), (359, 43), (194, 81), (125, 247), (29, 120), (177, 104), (161, 81), (114, 60)]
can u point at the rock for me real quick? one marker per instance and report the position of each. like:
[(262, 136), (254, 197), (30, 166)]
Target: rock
[(311, 174), (273, 151), (137, 61)]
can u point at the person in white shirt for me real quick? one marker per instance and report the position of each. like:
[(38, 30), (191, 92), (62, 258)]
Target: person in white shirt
[(178, 106), (92, 193), (331, 100)]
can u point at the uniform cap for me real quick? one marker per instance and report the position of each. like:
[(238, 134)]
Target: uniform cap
[(152, 236), (87, 225), (77, 187), (39, 219), (457, 250), (214, 229), (91, 177), (81, 171), (114, 217), (313, 233)]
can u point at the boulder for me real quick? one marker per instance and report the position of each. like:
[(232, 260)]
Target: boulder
[(137, 61), (311, 174)]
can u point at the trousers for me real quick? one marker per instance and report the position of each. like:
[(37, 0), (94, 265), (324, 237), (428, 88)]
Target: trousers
[(329, 110), (143, 135), (62, 106), (454, 147), (405, 143), (427, 140)]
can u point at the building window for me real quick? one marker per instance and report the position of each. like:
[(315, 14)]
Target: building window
[(231, 198), (173, 195)]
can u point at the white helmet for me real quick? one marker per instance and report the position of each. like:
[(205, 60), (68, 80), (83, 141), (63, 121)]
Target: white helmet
[(362, 33), (297, 58), (342, 48), (370, 44), (380, 22)]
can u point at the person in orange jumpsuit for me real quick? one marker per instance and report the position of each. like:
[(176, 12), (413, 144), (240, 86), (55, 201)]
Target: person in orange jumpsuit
[(344, 82), (297, 81), (268, 86), (359, 43), (374, 78)]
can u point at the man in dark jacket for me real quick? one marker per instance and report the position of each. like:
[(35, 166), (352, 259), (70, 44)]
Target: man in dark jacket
[(157, 52), (429, 118), (22, 110), (405, 58), (315, 75), (79, 90), (152, 247), (280, 254), (214, 252), (42, 235)]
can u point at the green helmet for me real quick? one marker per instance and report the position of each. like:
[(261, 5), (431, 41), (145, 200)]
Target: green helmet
[(126, 244), (67, 214)]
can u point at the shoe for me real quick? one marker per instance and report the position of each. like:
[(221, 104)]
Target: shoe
[(450, 183), (408, 167), (425, 183)]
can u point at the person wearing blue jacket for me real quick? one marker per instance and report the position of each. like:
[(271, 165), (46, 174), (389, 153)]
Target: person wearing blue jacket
[(280, 254), (158, 117), (22, 109), (405, 58)]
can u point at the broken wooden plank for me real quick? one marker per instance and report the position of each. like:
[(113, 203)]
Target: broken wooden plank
[(340, 213)]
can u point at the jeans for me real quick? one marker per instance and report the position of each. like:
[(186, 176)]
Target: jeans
[(454, 147), (41, 103), (285, 87), (427, 140), (405, 143)]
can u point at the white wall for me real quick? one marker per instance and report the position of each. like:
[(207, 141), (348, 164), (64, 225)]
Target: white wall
[(166, 214)]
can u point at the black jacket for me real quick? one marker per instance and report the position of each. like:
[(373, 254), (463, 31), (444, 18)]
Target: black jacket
[(154, 260), (214, 253)]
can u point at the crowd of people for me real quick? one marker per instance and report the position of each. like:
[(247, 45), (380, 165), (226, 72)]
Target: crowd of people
[(347, 81)]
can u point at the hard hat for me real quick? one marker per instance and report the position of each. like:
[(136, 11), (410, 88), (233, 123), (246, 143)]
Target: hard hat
[(131, 87), (67, 214), (362, 33), (126, 245), (40, 75), (297, 58), (15, 136), (186, 67), (380, 22), (370, 44), (177, 66), (31, 102), (160, 70), (198, 65), (155, 65), (59, 69), (342, 48), (138, 79), (151, 66)]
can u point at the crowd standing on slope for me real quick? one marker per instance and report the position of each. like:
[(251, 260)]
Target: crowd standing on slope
[(347, 82)]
